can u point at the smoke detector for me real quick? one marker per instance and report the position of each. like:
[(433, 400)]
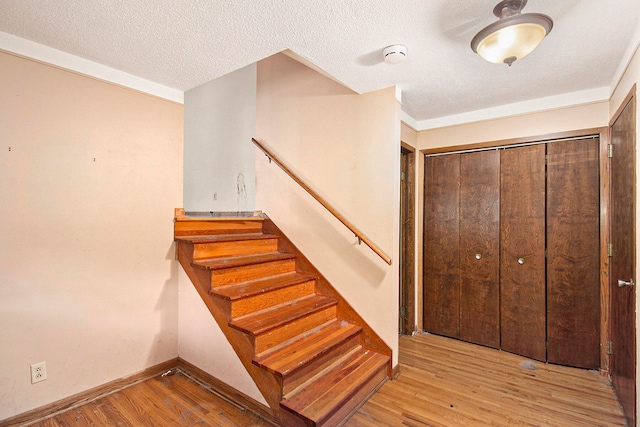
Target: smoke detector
[(394, 54)]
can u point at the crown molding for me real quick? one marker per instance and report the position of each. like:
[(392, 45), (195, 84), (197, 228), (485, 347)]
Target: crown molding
[(58, 58)]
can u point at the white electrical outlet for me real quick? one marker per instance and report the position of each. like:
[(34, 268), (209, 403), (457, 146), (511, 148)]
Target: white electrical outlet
[(38, 372)]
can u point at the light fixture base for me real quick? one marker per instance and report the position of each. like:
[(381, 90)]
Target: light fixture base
[(507, 8)]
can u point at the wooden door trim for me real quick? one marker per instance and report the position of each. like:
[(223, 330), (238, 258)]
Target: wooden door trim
[(605, 237), (623, 104), (604, 139), (409, 261), (549, 137)]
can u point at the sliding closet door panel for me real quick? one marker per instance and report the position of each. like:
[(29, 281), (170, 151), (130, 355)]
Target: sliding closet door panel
[(522, 247), (441, 239), (480, 248), (573, 251)]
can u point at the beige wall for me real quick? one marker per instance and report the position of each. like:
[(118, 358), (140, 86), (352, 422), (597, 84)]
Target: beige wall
[(525, 125), (347, 148), (630, 78), (90, 173), (408, 135)]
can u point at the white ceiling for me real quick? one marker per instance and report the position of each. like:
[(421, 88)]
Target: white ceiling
[(181, 44)]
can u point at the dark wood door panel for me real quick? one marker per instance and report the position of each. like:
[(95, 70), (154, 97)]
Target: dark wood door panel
[(480, 248), (573, 255), (441, 281), (522, 247), (622, 263)]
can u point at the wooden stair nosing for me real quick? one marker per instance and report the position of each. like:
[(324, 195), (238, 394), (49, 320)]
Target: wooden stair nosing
[(307, 349), (226, 237), (263, 321), (320, 398), (199, 226), (249, 288), (220, 263)]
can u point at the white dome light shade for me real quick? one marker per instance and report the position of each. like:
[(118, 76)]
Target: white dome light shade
[(514, 36)]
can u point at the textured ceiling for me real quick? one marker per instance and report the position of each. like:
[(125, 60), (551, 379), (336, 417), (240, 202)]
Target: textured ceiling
[(184, 43)]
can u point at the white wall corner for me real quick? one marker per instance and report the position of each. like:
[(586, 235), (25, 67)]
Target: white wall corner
[(49, 55), (399, 94)]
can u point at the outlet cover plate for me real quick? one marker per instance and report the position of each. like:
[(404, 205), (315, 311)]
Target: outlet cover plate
[(38, 372)]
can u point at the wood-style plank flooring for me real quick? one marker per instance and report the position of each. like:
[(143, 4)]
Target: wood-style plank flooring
[(174, 400), (443, 382)]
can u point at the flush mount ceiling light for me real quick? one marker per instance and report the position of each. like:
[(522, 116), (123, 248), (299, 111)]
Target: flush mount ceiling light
[(512, 37), (394, 54)]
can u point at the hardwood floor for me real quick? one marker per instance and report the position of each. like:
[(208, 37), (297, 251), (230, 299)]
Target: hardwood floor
[(443, 382), (174, 400)]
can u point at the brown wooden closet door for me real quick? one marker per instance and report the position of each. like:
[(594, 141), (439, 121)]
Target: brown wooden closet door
[(441, 251), (522, 247), (623, 262), (480, 248), (573, 253)]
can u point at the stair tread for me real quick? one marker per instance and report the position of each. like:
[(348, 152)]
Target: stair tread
[(295, 355), (231, 237), (268, 319), (320, 398), (242, 260)]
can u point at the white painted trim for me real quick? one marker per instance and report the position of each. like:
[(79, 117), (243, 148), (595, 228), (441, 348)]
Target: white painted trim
[(408, 120), (398, 94), (555, 102), (39, 52)]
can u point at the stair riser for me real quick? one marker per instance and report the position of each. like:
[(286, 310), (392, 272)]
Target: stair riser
[(269, 299), (194, 228), (228, 276), (285, 332), (236, 248), (294, 379)]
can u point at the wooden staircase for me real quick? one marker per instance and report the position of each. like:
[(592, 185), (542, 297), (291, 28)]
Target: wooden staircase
[(313, 358)]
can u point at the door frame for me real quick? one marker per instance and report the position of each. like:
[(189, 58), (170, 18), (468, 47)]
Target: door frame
[(604, 139), (407, 291)]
